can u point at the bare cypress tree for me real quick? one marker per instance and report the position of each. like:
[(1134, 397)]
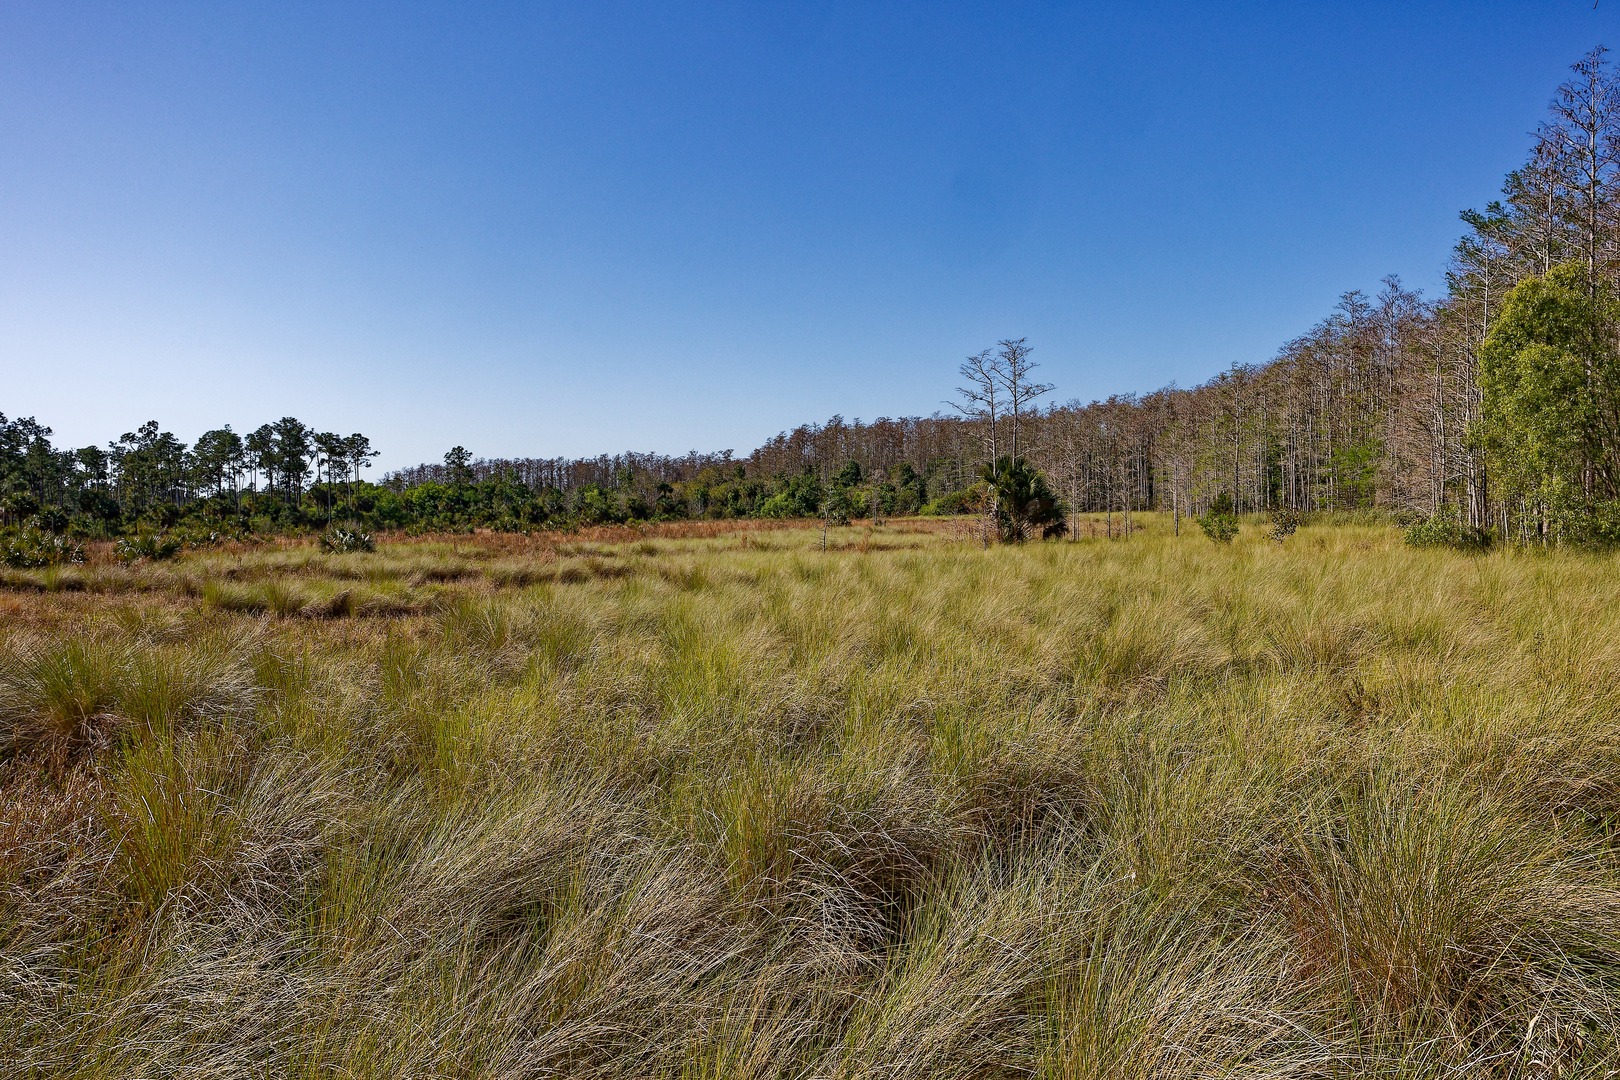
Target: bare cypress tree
[(1584, 137), (982, 402), (1013, 371), (1540, 208)]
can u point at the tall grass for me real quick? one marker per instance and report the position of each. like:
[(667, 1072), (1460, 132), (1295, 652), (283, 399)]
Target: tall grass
[(685, 806)]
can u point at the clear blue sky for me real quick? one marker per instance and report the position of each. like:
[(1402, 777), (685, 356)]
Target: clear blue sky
[(542, 229)]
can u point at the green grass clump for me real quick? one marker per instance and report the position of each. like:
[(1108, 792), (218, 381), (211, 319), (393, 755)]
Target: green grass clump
[(907, 806)]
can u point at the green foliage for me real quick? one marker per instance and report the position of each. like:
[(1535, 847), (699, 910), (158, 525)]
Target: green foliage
[(666, 507), (1550, 385), (32, 548), (52, 519), (153, 546), (840, 506), (231, 485), (1219, 523), (800, 497), (1025, 503), (910, 490), (1221, 528), (459, 462), (1355, 470), (195, 534), (967, 501), (346, 539), (19, 505), (595, 506), (1284, 521), (97, 505), (1446, 529)]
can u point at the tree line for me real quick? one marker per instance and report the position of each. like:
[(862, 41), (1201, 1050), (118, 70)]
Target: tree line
[(1493, 409), (282, 472), (287, 476)]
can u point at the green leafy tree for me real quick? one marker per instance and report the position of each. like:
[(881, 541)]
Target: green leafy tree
[(331, 456), (218, 459), (459, 463), (1550, 386), (260, 447), (1446, 529), (799, 497), (595, 506), (18, 507), (294, 448), (28, 462), (152, 467), (840, 506), (911, 489), (358, 452), (93, 466), (1284, 520)]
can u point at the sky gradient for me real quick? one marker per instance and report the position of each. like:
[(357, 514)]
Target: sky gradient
[(541, 230)]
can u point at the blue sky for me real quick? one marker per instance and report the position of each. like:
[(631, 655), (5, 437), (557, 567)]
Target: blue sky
[(540, 229)]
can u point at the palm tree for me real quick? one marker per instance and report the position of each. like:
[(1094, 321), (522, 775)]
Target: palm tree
[(1024, 500)]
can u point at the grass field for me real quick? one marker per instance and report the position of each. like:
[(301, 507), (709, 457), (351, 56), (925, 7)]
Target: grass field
[(711, 802)]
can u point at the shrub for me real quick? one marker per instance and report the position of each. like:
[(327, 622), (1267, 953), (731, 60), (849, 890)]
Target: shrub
[(52, 519), (1219, 527), (19, 504), (32, 548), (346, 539), (152, 546), (972, 500), (781, 505), (1025, 503), (840, 507), (200, 537), (1219, 522), (1284, 520), (1445, 529)]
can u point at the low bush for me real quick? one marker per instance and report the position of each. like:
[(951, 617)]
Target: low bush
[(970, 501), (29, 549), (1219, 522), (1284, 520), (1446, 529), (203, 538), (152, 546), (1221, 528), (347, 539)]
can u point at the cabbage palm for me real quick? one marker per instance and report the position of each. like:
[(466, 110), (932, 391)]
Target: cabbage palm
[(1024, 500)]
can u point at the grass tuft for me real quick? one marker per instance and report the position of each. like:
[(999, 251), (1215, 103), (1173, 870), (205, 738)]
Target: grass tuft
[(694, 802)]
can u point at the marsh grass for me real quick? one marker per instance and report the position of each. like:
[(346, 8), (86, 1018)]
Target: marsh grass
[(713, 802)]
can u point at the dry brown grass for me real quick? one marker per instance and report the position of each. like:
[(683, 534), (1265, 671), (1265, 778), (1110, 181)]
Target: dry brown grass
[(709, 801)]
